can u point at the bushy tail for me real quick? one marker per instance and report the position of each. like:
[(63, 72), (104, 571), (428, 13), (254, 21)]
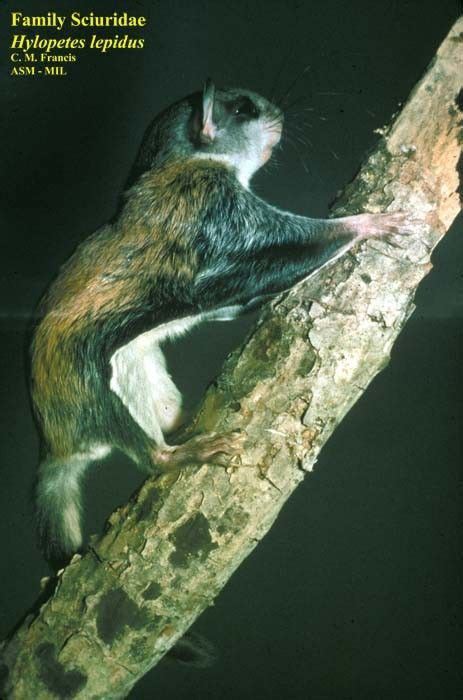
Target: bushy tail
[(58, 507)]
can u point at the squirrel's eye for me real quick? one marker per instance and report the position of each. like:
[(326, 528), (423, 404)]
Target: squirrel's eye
[(245, 108)]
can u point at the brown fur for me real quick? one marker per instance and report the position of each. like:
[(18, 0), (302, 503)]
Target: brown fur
[(115, 271)]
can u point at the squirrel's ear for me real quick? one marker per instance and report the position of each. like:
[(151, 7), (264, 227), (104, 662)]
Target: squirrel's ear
[(203, 127), (208, 128)]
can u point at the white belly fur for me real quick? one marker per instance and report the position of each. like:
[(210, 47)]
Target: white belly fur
[(140, 377), (142, 382)]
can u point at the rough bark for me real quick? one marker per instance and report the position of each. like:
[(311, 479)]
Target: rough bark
[(165, 556)]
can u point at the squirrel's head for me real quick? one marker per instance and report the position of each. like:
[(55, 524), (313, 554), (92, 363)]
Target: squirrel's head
[(233, 125)]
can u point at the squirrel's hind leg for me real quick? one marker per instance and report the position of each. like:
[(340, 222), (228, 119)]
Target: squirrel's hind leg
[(141, 380)]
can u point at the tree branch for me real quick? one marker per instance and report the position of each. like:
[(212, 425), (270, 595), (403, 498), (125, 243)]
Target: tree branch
[(115, 612)]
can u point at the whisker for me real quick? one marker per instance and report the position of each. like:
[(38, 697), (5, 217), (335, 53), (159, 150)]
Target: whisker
[(281, 101), (301, 126), (298, 152), (300, 110), (298, 101), (330, 93), (283, 65), (304, 142)]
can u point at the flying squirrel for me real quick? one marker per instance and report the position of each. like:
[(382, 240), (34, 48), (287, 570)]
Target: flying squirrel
[(190, 243)]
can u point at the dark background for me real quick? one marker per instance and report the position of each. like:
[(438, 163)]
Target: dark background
[(355, 592)]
